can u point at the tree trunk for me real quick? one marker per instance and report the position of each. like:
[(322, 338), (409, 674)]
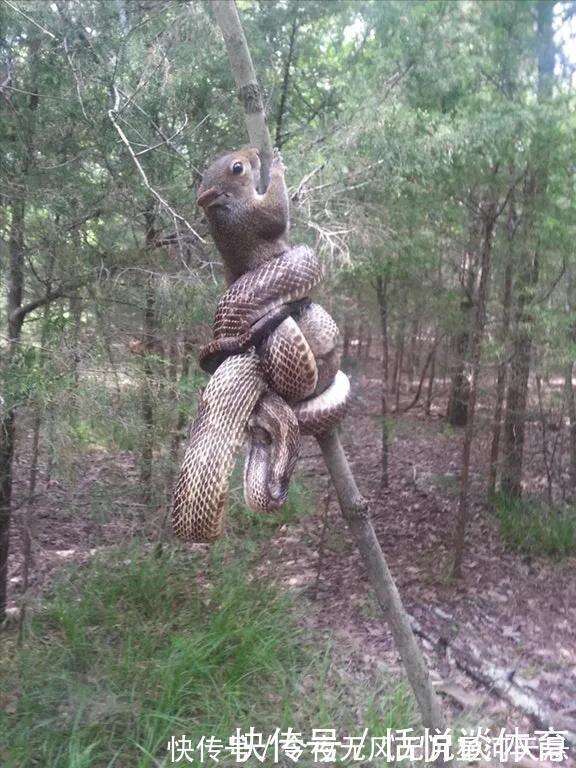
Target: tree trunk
[(385, 346), (76, 314), (8, 409), (430, 390), (489, 219), (7, 440), (398, 364), (548, 463), (368, 344), (460, 390), (149, 333), (398, 354), (420, 384), (413, 356), (516, 400), (446, 369), (571, 410), (360, 337), (569, 397), (503, 365), (28, 514), (517, 397), (382, 296)]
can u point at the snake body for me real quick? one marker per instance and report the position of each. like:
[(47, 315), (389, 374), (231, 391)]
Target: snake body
[(275, 364)]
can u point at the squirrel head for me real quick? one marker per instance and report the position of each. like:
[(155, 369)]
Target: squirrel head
[(231, 179)]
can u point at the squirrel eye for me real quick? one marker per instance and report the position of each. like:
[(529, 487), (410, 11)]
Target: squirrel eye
[(237, 168)]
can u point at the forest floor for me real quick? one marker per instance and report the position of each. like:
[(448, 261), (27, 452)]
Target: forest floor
[(499, 642), (504, 634)]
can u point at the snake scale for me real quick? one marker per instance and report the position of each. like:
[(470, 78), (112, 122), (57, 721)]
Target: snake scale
[(274, 357)]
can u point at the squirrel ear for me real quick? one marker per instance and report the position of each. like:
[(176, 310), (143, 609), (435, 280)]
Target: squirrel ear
[(254, 155)]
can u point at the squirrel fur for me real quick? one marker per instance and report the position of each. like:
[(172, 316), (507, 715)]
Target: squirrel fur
[(248, 228)]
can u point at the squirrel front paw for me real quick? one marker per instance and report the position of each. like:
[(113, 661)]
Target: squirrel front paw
[(277, 162)]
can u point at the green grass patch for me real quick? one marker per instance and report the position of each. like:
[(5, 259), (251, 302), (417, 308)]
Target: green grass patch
[(132, 650), (535, 528)]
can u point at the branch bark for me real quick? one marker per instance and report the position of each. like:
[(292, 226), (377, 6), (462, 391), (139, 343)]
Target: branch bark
[(112, 114), (249, 92), (355, 511)]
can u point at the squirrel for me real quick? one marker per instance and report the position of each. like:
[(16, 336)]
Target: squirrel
[(250, 231), (248, 228)]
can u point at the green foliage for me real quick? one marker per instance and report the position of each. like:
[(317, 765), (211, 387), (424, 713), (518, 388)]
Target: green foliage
[(534, 528), (30, 378), (137, 648)]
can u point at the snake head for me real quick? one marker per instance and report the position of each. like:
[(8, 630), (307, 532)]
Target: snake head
[(274, 443)]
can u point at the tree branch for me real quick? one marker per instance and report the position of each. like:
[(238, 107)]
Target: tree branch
[(20, 313), (422, 375), (356, 513), (30, 19), (249, 92), (112, 113)]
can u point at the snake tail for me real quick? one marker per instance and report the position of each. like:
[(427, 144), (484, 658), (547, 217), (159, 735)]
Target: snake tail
[(216, 434)]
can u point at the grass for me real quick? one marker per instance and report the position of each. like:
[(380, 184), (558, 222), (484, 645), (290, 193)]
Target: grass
[(130, 651), (534, 528)]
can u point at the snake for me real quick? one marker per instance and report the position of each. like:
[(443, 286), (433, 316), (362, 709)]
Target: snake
[(275, 365)]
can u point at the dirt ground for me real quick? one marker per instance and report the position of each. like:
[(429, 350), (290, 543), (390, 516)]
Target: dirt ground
[(501, 642), (505, 633)]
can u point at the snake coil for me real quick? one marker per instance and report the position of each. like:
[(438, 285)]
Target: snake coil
[(275, 363)]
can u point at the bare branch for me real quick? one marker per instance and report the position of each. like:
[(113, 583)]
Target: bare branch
[(76, 79), (112, 114), (167, 141), (30, 19), (296, 195)]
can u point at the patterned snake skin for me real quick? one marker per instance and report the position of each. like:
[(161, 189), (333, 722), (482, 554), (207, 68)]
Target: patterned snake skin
[(275, 377)]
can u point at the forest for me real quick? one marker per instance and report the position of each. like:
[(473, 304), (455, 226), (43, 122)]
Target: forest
[(421, 572)]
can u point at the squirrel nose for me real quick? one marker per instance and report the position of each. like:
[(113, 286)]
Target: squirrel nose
[(207, 196)]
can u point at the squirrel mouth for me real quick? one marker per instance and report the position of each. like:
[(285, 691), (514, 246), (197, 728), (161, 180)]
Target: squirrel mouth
[(209, 197)]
